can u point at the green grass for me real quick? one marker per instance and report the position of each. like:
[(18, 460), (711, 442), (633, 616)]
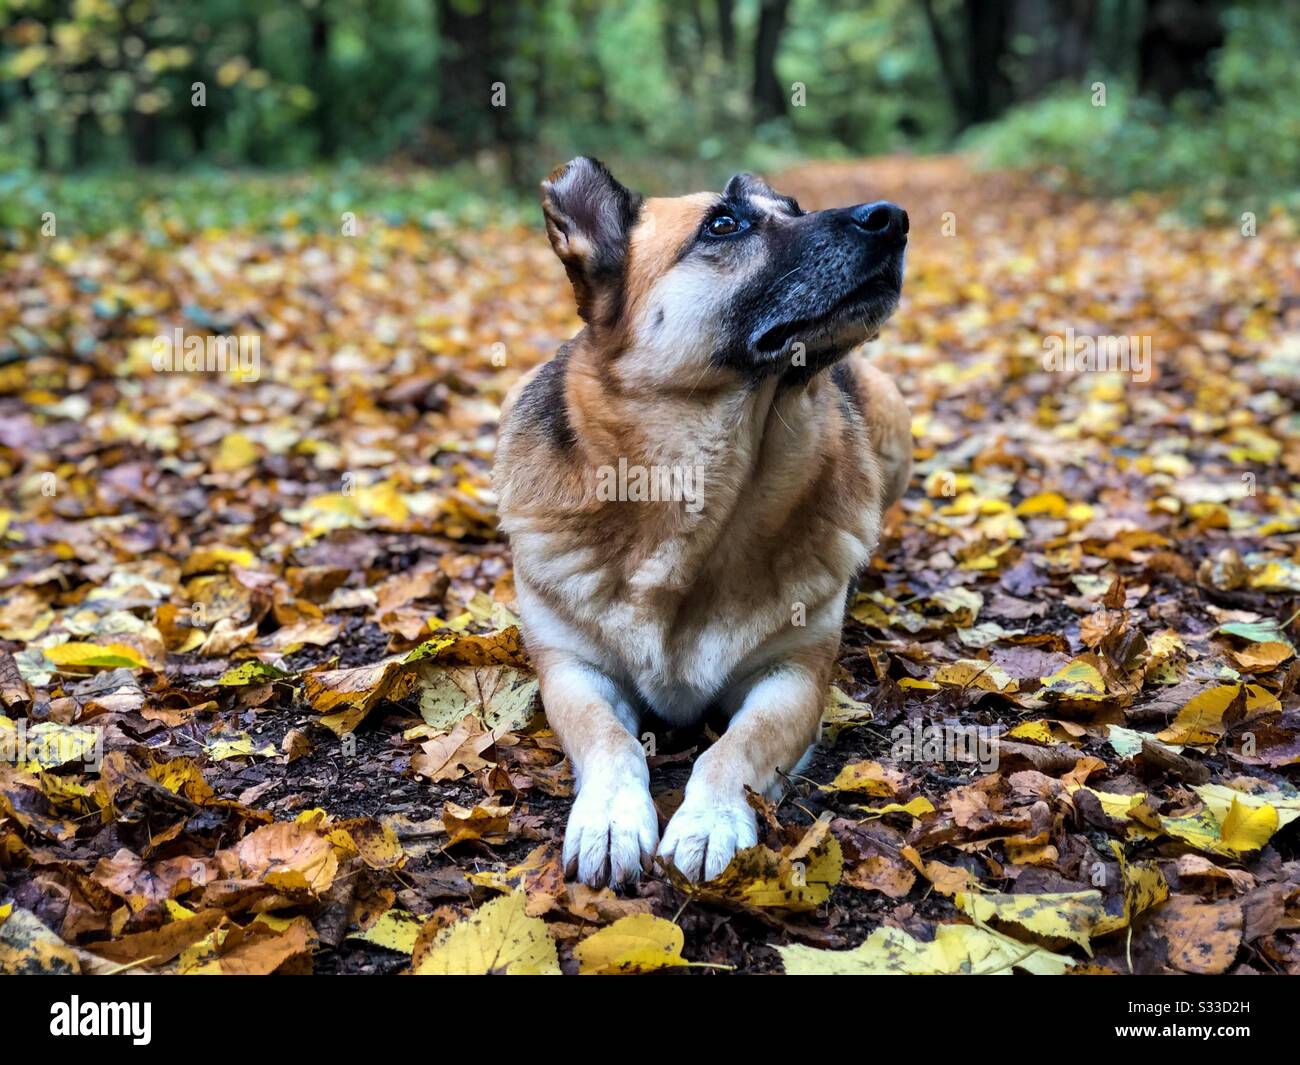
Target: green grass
[(162, 206)]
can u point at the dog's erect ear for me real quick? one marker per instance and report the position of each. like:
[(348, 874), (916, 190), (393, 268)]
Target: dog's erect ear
[(588, 218)]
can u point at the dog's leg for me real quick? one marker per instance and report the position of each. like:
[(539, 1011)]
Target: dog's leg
[(613, 827), (771, 732)]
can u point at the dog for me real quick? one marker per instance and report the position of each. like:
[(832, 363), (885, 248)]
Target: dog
[(690, 486)]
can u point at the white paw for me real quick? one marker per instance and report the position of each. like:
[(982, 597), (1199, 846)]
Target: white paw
[(705, 832), (612, 832)]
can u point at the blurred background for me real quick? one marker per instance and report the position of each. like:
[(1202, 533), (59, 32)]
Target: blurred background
[(460, 106)]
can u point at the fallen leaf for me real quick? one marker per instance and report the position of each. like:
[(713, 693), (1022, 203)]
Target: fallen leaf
[(498, 938), (637, 943)]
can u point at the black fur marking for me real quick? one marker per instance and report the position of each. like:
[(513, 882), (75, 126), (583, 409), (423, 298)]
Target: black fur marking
[(842, 375), (823, 287), (542, 406)]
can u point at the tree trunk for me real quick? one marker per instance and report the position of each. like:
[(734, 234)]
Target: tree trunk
[(1178, 40), (989, 89), (321, 83), (768, 96), (726, 10), (142, 130), (39, 138), (954, 77), (464, 81), (972, 67)]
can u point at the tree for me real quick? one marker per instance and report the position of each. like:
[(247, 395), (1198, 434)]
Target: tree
[(1174, 50), (768, 95)]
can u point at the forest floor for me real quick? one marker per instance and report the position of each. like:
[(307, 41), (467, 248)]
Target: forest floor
[(266, 708)]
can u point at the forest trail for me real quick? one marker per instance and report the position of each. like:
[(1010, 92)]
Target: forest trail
[(1064, 731)]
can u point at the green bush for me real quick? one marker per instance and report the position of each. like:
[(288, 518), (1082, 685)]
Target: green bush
[(1243, 148)]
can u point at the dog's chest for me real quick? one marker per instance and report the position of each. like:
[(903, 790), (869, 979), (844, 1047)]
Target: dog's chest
[(682, 604), (686, 622)]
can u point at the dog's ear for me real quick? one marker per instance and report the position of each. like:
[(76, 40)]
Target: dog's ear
[(588, 218), (742, 186)]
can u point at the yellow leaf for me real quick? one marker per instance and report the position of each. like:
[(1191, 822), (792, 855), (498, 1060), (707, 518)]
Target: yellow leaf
[(637, 943), (1115, 804), (1219, 799), (762, 878), (947, 879), (1281, 575), (346, 696), (869, 778), (212, 557), (1200, 721), (94, 656), (49, 745), (1246, 829), (239, 745), (1034, 731), (479, 823), (841, 712), (1144, 886), (235, 453), (1071, 915), (394, 930), (1232, 823), (954, 949), (251, 671), (1078, 679), (1044, 505), (501, 648), (916, 807), (28, 948), (374, 843), (498, 938), (974, 673)]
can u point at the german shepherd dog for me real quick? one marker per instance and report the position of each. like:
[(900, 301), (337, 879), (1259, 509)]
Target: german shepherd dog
[(690, 486)]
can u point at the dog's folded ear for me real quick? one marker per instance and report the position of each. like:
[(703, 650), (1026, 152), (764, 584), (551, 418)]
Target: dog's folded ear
[(589, 216), (744, 185)]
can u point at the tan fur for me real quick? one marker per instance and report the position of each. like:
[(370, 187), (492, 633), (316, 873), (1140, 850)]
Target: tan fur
[(636, 602)]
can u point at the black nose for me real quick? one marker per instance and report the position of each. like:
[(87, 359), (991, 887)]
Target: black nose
[(881, 219)]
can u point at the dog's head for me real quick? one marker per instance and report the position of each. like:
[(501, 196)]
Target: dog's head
[(738, 282)]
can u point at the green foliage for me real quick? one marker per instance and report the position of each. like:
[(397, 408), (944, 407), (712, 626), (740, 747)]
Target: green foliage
[(102, 83), (1243, 148), (666, 89), (166, 207)]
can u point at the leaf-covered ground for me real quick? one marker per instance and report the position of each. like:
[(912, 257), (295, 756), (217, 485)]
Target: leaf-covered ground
[(266, 710)]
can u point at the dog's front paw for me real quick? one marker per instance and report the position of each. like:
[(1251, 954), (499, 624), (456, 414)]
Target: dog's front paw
[(705, 832), (612, 832)]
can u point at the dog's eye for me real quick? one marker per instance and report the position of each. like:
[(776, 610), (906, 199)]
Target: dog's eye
[(724, 225)]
